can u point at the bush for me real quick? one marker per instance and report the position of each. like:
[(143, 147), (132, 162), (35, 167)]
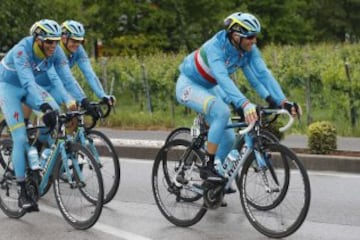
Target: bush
[(322, 137)]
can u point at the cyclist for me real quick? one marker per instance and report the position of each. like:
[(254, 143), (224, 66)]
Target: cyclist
[(30, 58), (70, 92), (205, 86), (73, 34)]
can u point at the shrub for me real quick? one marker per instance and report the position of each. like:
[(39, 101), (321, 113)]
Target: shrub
[(322, 137)]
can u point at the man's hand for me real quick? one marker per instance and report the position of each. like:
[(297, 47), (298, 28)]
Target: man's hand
[(90, 109), (110, 99), (293, 108), (250, 112), (71, 106), (49, 117)]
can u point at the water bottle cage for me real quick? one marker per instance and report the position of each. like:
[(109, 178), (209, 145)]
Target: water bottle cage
[(198, 142)]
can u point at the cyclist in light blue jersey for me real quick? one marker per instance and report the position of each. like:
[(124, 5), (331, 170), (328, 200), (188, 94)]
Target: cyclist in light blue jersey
[(29, 59), (70, 91), (73, 34), (205, 86)]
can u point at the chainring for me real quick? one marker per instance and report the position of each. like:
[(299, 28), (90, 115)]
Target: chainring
[(213, 195), (32, 185)]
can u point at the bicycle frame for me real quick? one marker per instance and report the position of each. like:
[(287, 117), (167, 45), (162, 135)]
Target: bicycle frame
[(58, 146), (250, 142), (80, 136), (51, 162)]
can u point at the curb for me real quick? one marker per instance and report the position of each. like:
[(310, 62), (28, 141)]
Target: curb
[(145, 149)]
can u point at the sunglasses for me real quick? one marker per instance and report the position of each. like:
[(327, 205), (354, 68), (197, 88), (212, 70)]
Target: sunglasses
[(250, 37), (51, 42), (77, 41)]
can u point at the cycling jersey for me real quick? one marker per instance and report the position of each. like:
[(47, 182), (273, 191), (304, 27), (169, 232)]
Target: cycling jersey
[(20, 72), (22, 68), (204, 85), (52, 73), (81, 58), (218, 58)]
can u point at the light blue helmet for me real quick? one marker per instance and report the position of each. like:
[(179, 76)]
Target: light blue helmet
[(245, 24), (46, 29), (73, 29)]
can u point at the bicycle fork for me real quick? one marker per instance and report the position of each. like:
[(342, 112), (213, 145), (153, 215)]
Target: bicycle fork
[(68, 162), (263, 164)]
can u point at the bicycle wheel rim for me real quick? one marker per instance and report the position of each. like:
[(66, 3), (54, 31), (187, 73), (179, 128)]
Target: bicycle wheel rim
[(109, 162), (287, 215), (79, 203), (179, 205)]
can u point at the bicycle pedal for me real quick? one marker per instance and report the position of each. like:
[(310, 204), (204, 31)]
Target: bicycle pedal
[(34, 208), (230, 190), (181, 179)]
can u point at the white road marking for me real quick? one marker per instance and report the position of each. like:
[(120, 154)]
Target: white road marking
[(117, 232)]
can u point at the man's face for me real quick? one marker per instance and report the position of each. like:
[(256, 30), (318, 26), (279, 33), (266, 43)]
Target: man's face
[(245, 42), (48, 46), (71, 44)]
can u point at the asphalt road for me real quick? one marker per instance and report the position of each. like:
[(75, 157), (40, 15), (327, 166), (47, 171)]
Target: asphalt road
[(334, 214)]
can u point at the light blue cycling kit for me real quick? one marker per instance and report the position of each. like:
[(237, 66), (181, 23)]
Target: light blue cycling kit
[(204, 85), (21, 74), (81, 58), (70, 88)]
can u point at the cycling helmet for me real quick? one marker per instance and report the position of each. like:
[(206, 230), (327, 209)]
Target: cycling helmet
[(46, 29), (73, 29), (245, 24)]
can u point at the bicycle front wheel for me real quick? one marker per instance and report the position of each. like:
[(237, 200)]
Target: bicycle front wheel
[(105, 154), (283, 184), (176, 183), (78, 187)]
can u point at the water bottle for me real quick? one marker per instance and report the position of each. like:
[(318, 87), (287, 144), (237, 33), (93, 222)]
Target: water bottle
[(33, 158), (231, 161), (195, 128), (45, 156)]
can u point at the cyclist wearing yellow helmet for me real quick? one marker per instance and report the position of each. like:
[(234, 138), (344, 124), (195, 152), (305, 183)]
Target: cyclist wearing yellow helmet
[(30, 58), (205, 86), (73, 34)]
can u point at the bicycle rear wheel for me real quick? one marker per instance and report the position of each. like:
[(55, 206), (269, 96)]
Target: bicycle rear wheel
[(78, 199), (103, 151), (181, 203), (179, 133), (286, 189), (8, 186)]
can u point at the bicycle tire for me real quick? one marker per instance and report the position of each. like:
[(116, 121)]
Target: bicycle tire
[(8, 191), (179, 133), (293, 201), (164, 188), (74, 213), (110, 169)]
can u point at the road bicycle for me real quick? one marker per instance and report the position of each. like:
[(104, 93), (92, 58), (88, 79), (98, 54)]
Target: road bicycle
[(96, 142), (75, 174), (273, 184)]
